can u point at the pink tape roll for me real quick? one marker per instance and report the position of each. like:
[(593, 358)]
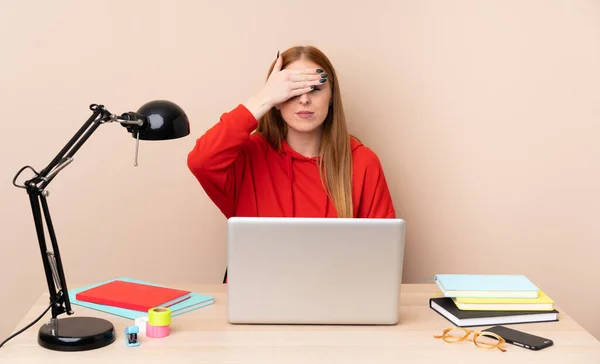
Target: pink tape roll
[(157, 331)]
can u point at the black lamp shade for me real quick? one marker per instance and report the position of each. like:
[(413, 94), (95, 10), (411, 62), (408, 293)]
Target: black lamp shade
[(164, 120)]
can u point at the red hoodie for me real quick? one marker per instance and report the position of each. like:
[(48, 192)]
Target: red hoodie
[(244, 176)]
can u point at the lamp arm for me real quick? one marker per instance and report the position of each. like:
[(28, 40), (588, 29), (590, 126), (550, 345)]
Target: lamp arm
[(36, 189), (97, 111), (100, 115)]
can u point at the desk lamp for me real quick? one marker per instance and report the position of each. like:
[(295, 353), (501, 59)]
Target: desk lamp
[(155, 120)]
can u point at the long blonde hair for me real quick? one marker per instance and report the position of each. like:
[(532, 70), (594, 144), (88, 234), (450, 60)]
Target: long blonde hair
[(335, 162)]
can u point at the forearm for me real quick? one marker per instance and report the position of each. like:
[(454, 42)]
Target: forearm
[(258, 106), (216, 150)]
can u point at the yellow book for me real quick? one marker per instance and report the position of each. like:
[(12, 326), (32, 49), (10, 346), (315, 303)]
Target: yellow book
[(541, 303)]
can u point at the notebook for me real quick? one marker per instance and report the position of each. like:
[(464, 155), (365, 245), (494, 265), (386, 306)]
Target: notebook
[(446, 307), (541, 303), (195, 301), (132, 295), (486, 285)]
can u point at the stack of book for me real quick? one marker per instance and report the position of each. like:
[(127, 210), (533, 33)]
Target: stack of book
[(487, 299), (132, 298)]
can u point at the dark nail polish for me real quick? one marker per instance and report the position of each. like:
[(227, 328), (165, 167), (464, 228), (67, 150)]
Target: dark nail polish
[(319, 70), (277, 54), (312, 87), (322, 80), (324, 75)]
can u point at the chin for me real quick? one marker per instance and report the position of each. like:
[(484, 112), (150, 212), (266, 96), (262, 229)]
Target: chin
[(305, 127)]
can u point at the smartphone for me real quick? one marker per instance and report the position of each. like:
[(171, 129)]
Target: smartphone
[(520, 338)]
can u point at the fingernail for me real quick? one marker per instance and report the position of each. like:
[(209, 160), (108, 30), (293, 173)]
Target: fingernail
[(319, 70), (312, 87), (322, 80), (277, 54), (324, 75)]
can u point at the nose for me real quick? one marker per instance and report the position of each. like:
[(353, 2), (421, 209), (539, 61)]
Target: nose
[(304, 99)]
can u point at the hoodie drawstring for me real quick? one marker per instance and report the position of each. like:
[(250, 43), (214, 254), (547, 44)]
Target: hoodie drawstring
[(291, 180)]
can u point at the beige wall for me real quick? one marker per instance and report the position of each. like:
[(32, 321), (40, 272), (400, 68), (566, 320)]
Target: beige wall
[(484, 114)]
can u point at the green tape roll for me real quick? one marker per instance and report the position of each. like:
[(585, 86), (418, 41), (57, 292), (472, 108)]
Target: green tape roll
[(159, 316)]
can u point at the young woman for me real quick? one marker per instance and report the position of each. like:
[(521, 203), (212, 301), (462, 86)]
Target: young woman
[(286, 151)]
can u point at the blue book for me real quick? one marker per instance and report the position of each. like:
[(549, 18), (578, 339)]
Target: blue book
[(196, 301), (486, 285)]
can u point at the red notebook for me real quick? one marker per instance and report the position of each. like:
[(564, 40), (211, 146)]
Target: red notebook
[(133, 296)]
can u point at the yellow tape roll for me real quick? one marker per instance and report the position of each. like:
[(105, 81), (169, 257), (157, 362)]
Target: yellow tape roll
[(159, 316)]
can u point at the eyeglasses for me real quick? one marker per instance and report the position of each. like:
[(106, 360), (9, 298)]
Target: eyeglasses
[(483, 340)]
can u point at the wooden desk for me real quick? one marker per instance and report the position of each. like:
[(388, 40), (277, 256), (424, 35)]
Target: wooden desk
[(205, 336)]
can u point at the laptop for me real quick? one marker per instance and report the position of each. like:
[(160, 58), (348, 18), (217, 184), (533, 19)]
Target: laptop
[(314, 270)]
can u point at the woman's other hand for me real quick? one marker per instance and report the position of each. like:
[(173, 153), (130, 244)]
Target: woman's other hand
[(281, 86)]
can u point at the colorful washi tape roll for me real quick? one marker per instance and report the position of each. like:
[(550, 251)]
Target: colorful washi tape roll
[(159, 316), (156, 331), (141, 323), (159, 319)]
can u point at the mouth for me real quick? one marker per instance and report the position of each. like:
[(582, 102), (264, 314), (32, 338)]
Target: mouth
[(305, 114)]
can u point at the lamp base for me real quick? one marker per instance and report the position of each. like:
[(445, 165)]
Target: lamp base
[(76, 334)]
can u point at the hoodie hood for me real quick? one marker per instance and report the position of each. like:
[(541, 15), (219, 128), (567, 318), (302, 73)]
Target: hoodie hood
[(293, 158)]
